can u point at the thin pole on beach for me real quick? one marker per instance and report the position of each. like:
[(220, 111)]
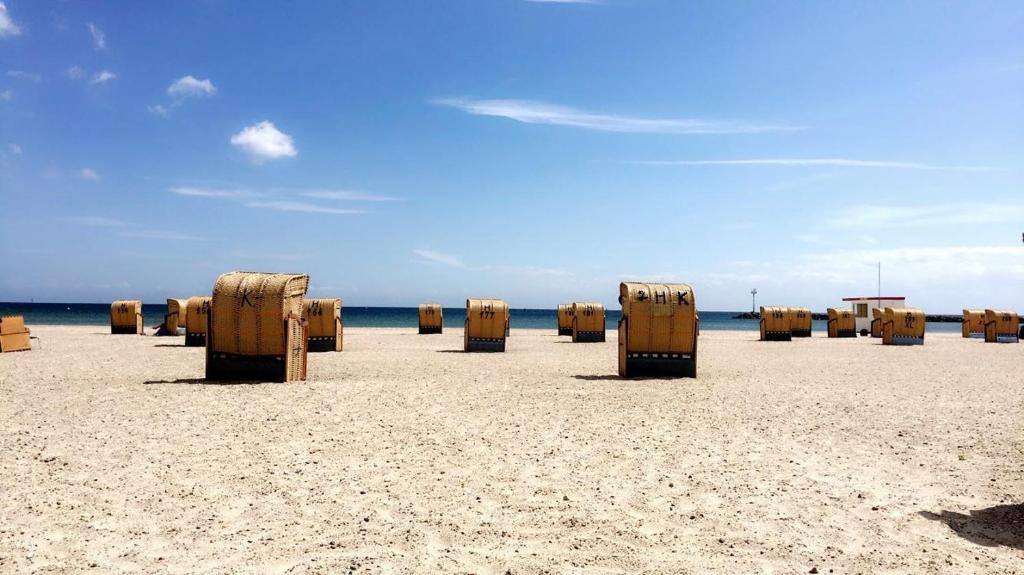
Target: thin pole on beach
[(753, 300), (879, 283)]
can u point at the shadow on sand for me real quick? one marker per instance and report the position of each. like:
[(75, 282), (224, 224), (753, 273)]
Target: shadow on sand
[(991, 527), (599, 377), (200, 381), (169, 345)]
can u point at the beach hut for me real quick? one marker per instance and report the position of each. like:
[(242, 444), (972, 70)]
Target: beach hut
[(877, 319), (801, 321), (487, 325), (197, 317), (861, 307), (1002, 326), (126, 317), (658, 330), (14, 336), (256, 329), (903, 326), (973, 323), (323, 323), (841, 323), (431, 318), (587, 322), (565, 312), (776, 324), (174, 317)]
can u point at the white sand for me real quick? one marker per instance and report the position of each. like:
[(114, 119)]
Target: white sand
[(402, 454)]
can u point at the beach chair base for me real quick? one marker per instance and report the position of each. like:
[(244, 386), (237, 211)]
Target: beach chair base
[(480, 344), (588, 337), (846, 333), (906, 340), (323, 343), (124, 329), (777, 336), (660, 365), (801, 333), (1004, 338), (231, 367), (565, 331), (430, 329), (195, 340), (15, 342)]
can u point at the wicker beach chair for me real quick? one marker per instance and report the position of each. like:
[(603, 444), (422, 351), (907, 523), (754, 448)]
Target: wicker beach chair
[(841, 323), (658, 330), (431, 318), (588, 322), (973, 323), (801, 321), (323, 321), (197, 320), (1002, 326), (14, 336), (487, 325), (564, 320), (903, 326), (776, 324), (126, 317)]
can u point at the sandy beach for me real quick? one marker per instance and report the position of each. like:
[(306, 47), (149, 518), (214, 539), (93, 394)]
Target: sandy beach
[(404, 455)]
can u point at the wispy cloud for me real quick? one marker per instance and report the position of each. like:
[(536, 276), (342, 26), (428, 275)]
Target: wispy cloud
[(74, 72), (6, 95), (263, 141), (23, 75), (532, 112), (814, 162), (99, 39), (88, 174), (191, 87), (102, 77), (430, 256), (200, 192), (808, 238), (99, 222), (346, 195), (160, 235), (14, 148), (290, 206), (158, 110), (958, 214), (7, 25)]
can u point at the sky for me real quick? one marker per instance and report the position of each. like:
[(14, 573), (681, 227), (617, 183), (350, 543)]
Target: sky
[(534, 151)]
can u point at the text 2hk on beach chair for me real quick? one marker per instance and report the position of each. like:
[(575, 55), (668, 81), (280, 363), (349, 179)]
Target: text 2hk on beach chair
[(126, 317), (256, 329), (903, 326), (1002, 326), (588, 322), (323, 321), (431, 318), (841, 323), (776, 324), (197, 320), (658, 330), (564, 320), (487, 325)]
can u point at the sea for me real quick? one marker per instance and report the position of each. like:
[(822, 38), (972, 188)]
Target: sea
[(99, 314)]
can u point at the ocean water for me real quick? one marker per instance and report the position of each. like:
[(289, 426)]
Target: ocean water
[(99, 314)]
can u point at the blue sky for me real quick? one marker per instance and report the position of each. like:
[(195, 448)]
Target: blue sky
[(540, 152)]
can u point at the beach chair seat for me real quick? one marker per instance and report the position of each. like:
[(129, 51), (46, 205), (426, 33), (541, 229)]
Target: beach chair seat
[(323, 320), (658, 330), (431, 318), (841, 323), (256, 331), (197, 319), (776, 324), (877, 319), (588, 322), (174, 318), (14, 336), (487, 325), (1002, 326), (126, 317), (801, 322), (903, 326), (564, 319), (973, 323)]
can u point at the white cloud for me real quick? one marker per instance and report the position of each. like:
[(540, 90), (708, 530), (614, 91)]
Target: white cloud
[(99, 222), (263, 141), (157, 110), (23, 75), (349, 195), (74, 72), (14, 148), (7, 25), (88, 174), (99, 39), (959, 214), (7, 95), (289, 206), (159, 235), (921, 265), (102, 77), (531, 112), (198, 192), (439, 258), (191, 87), (814, 162)]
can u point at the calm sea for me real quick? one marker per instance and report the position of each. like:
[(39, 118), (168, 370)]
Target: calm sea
[(99, 314)]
